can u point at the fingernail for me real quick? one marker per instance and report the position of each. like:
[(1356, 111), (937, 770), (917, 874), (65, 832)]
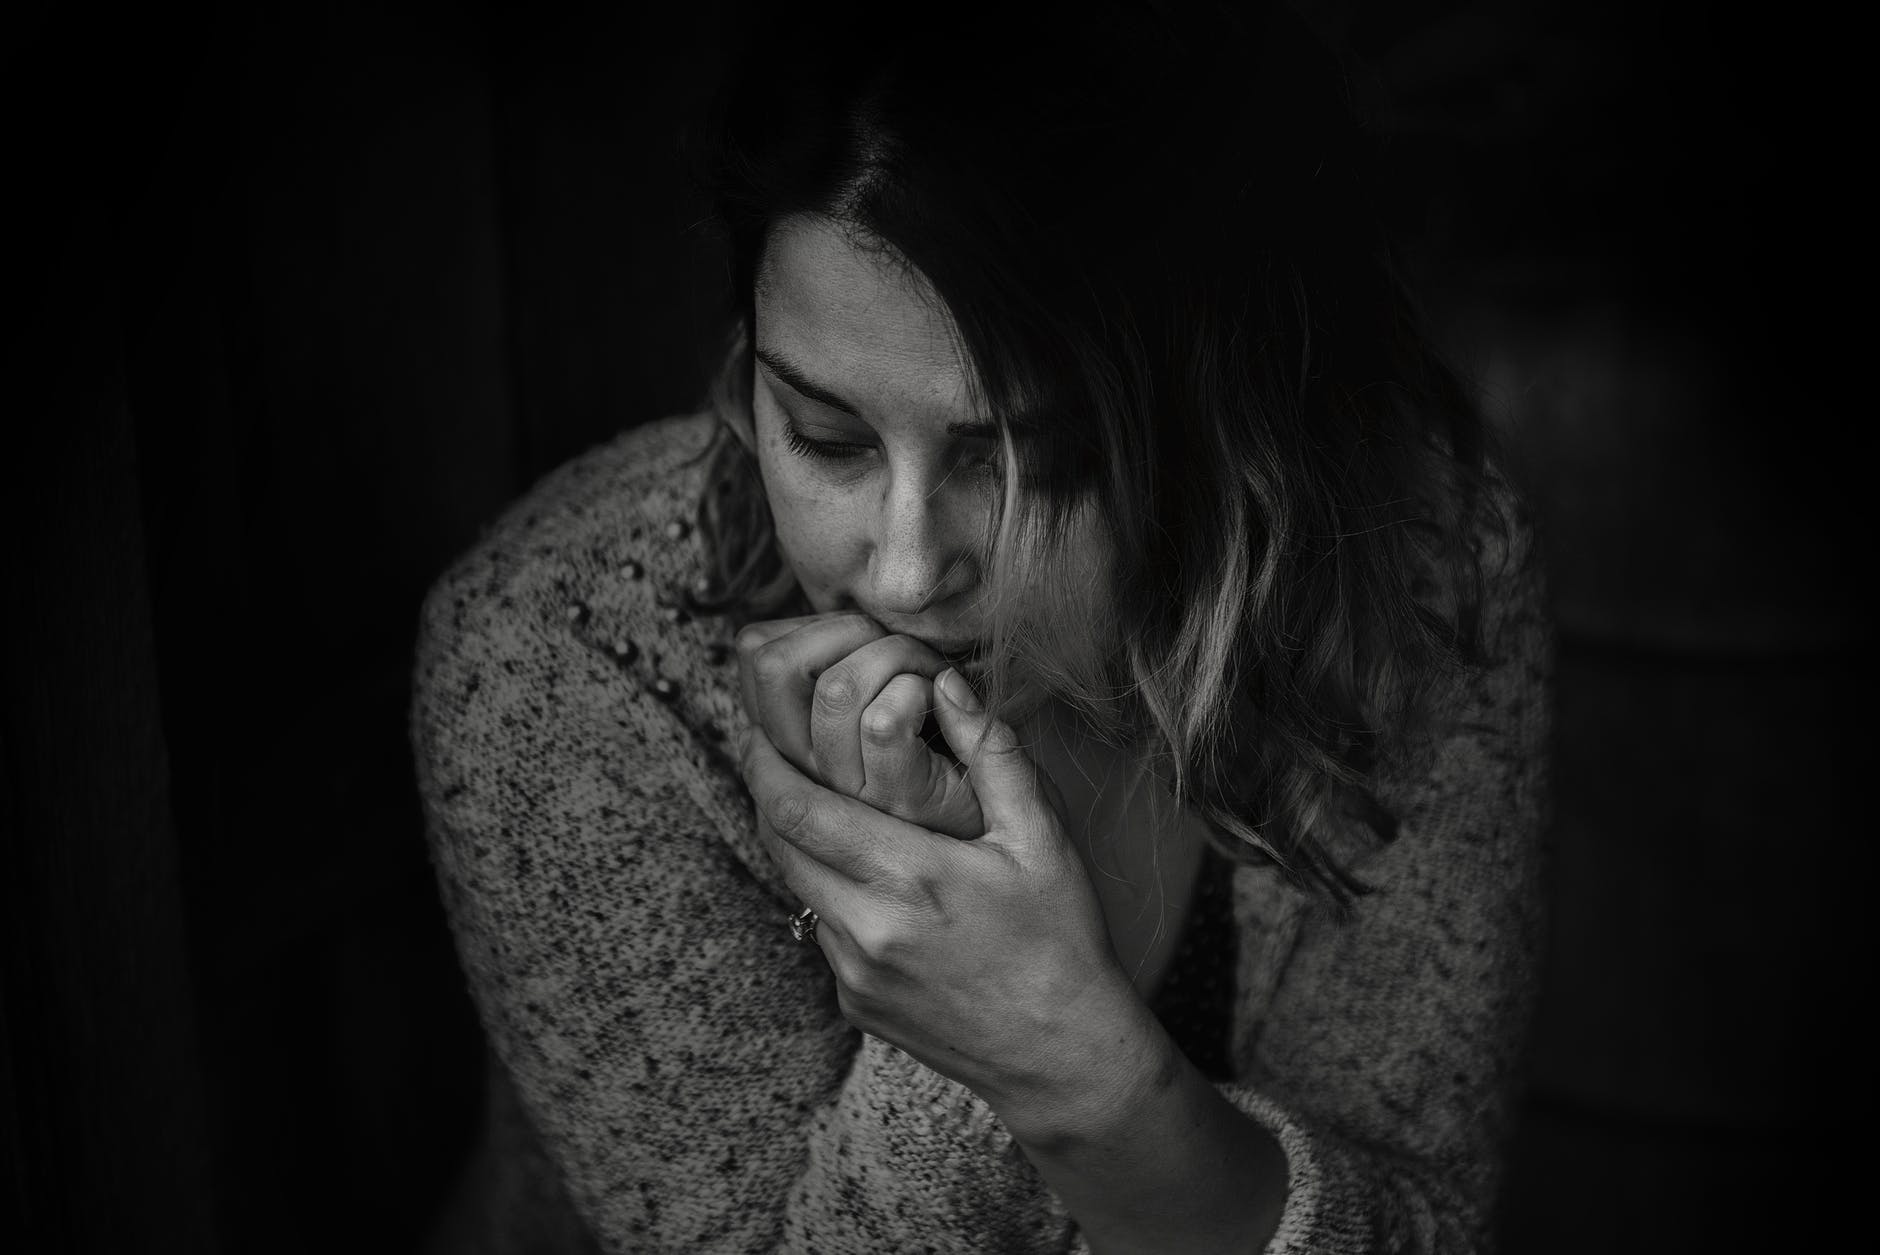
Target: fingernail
[(958, 691)]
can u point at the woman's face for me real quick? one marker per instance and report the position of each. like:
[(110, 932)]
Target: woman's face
[(880, 475)]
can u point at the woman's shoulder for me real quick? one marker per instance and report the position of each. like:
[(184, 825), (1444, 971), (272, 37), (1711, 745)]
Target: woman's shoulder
[(647, 475), (1495, 596), (621, 509), (1514, 620), (586, 575), (558, 656)]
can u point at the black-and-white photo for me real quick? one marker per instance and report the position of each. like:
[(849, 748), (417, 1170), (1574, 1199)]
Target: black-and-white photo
[(1131, 628)]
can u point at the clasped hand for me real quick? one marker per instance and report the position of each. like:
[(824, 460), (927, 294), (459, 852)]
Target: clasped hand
[(954, 912)]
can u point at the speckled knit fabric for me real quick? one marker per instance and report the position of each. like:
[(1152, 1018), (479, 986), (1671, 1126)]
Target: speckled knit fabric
[(673, 1073)]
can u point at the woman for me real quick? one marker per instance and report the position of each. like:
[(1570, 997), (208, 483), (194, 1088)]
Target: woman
[(1052, 760)]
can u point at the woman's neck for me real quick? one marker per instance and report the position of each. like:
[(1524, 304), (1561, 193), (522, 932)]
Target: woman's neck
[(1141, 852)]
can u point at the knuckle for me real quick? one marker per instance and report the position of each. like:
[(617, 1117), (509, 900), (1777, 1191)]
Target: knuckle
[(767, 664), (905, 893), (926, 898), (866, 866), (881, 726), (790, 814), (876, 944), (837, 691), (749, 640)]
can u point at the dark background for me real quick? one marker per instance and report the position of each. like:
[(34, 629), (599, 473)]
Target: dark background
[(311, 291)]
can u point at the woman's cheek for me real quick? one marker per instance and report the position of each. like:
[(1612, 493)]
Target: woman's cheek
[(811, 544)]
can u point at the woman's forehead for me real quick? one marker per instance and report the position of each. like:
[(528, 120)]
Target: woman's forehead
[(861, 323)]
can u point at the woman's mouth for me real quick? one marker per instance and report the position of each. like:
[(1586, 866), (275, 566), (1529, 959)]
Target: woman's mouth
[(961, 656)]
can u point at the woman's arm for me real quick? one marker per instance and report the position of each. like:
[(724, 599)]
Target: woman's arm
[(682, 1062), (666, 1039), (1145, 1151), (1375, 1054), (620, 933), (1380, 1051), (686, 1064), (1387, 1056)]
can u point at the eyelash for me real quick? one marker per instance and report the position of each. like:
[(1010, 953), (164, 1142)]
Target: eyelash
[(818, 450), (840, 451)]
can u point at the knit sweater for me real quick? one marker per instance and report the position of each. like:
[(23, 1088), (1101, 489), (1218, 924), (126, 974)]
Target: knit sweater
[(672, 1071)]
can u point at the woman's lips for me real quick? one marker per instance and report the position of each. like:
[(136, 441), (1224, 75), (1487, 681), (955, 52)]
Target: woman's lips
[(972, 665), (961, 652), (957, 650)]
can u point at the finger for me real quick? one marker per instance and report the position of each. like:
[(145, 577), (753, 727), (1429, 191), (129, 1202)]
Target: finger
[(809, 882), (902, 775), (778, 670), (1005, 780), (849, 687), (814, 884), (850, 840), (753, 637), (815, 887)]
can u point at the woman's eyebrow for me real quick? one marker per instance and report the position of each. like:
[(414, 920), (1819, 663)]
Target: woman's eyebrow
[(793, 375)]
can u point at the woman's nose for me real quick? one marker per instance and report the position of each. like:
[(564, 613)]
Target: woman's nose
[(923, 552)]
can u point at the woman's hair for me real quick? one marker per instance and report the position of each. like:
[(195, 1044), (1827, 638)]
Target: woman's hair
[(1154, 231)]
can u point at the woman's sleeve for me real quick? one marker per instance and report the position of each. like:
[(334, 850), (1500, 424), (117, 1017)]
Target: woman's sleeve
[(1388, 1047), (1380, 1049), (681, 1062), (666, 1038), (684, 1065)]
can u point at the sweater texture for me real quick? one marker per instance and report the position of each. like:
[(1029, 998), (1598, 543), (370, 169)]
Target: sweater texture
[(670, 1070)]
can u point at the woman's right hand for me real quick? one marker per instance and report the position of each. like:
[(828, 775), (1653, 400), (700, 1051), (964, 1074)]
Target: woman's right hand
[(845, 701)]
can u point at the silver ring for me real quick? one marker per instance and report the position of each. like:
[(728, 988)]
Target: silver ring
[(803, 925)]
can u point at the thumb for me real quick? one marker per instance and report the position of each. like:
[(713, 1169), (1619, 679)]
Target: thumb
[(1003, 776)]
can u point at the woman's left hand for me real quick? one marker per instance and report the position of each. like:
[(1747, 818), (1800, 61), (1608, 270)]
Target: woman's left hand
[(988, 959)]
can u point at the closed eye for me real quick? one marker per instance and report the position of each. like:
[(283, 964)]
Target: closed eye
[(819, 450)]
